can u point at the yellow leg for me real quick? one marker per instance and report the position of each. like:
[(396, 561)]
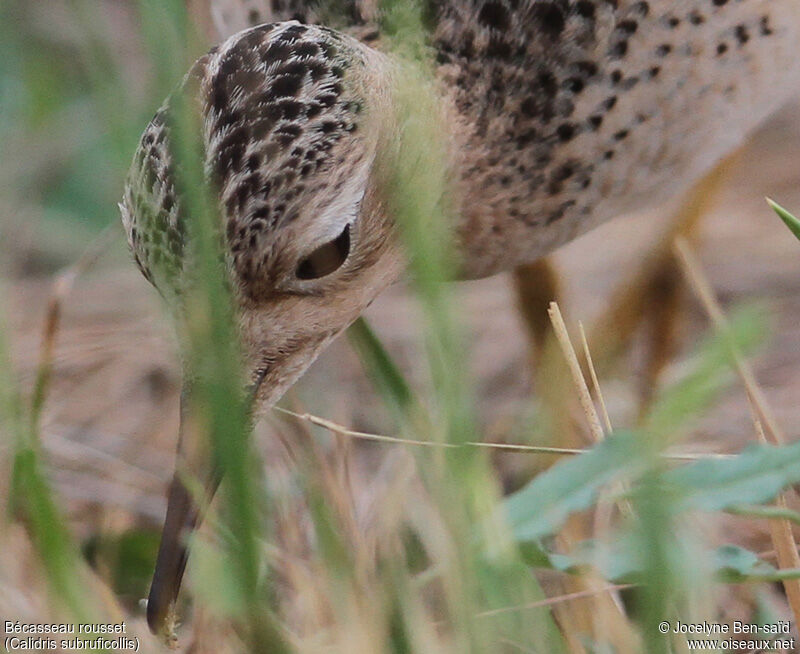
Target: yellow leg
[(536, 286)]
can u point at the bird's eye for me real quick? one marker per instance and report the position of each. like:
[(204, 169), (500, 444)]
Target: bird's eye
[(326, 258)]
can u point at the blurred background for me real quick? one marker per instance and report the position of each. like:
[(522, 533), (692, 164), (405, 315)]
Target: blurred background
[(78, 84)]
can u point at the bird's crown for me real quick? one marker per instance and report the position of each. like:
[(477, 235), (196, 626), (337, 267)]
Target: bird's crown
[(282, 109)]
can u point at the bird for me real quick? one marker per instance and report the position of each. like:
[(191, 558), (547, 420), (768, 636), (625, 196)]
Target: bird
[(557, 116)]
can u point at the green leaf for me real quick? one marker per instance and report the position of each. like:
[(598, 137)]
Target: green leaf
[(619, 561), (536, 555), (541, 507), (735, 565), (791, 222), (622, 561), (755, 476)]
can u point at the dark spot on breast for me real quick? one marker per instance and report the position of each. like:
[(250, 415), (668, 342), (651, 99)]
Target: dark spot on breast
[(549, 17), (742, 35), (261, 213), (558, 214), (696, 18), (498, 48), (555, 187), (573, 84), (587, 68), (585, 9), (618, 50), (547, 83), (286, 134), (564, 172), (494, 15), (290, 109), (565, 131), (254, 162)]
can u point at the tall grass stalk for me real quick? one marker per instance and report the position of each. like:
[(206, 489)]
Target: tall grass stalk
[(463, 488), (217, 404)]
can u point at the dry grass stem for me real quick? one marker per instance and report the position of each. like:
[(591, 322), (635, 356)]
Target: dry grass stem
[(550, 601), (585, 398), (336, 428), (62, 286), (608, 616), (705, 293), (575, 370), (595, 383)]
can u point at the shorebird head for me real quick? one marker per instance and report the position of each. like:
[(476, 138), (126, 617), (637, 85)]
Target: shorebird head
[(291, 124), (292, 118)]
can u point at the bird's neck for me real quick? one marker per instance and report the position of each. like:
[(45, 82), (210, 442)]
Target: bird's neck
[(482, 206)]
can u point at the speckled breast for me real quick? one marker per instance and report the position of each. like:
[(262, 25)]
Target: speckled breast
[(579, 111)]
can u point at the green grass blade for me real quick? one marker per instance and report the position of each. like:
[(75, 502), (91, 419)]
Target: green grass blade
[(31, 500), (381, 368), (710, 374), (789, 220)]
